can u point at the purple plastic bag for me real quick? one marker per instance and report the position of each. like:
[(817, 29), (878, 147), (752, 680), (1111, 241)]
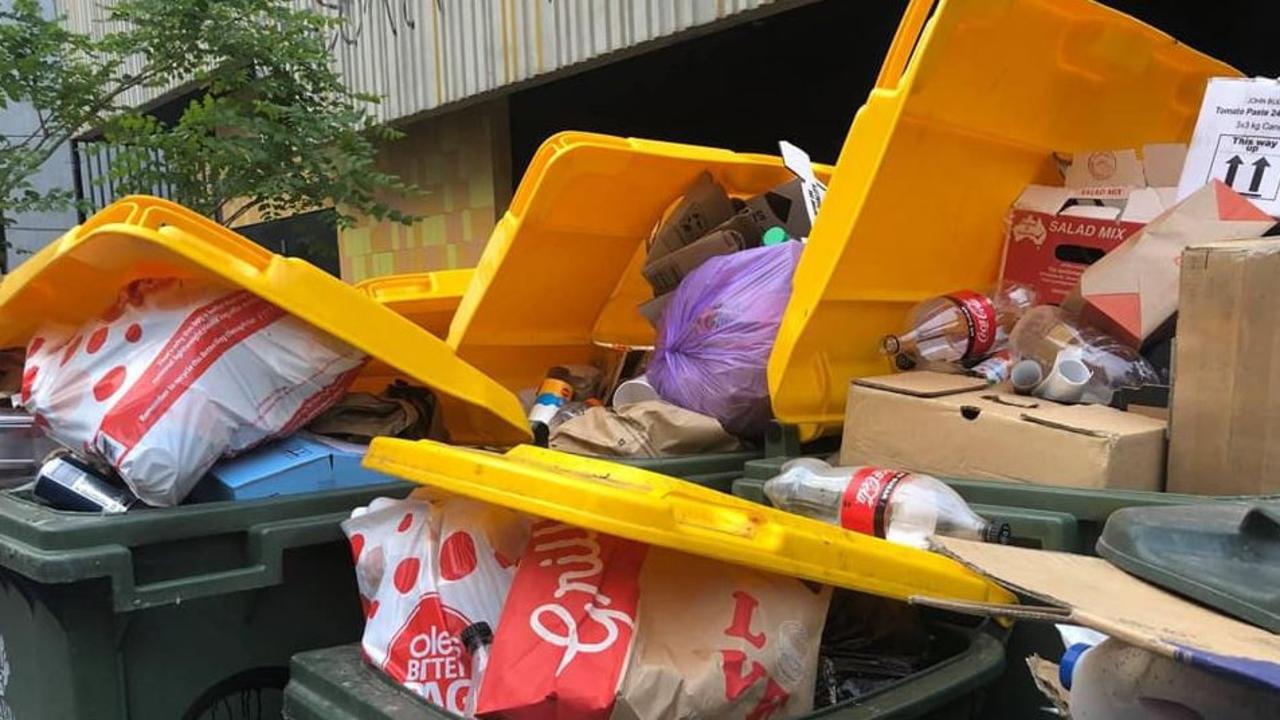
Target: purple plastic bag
[(717, 332)]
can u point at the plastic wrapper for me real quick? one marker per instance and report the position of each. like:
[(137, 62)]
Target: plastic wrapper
[(868, 643), (1100, 364), (177, 374), (717, 333), (426, 573)]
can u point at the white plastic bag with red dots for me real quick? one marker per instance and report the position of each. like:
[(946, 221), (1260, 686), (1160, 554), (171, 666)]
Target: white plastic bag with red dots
[(426, 572), (177, 374)]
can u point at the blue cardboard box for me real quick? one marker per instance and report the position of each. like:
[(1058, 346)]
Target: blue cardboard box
[(301, 463)]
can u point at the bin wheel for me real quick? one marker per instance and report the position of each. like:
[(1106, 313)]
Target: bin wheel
[(255, 694)]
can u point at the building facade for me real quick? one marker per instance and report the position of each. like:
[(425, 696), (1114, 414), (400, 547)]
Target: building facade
[(444, 69)]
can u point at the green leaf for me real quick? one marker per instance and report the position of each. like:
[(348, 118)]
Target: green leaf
[(273, 123)]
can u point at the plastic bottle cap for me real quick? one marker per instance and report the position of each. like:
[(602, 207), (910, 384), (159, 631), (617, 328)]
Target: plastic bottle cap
[(541, 433), (997, 532), (1067, 665), (475, 635), (775, 236), (890, 344)]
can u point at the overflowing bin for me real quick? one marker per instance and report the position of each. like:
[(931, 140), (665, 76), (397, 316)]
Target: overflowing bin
[(665, 512), (164, 613), (185, 611)]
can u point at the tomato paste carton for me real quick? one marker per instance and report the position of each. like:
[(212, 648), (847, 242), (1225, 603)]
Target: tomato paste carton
[(1054, 233)]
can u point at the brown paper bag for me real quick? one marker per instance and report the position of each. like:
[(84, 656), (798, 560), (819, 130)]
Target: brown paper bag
[(645, 429), (720, 640)]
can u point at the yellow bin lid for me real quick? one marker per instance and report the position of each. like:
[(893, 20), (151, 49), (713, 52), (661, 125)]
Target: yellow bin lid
[(660, 510), (561, 272), (428, 299), (972, 100), (75, 277)]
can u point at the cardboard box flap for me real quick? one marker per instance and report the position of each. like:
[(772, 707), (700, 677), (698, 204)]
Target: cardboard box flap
[(1105, 168), (1250, 247), (1096, 420), (1090, 591), (1134, 288), (1162, 163), (1146, 204), (924, 383), (1044, 198)]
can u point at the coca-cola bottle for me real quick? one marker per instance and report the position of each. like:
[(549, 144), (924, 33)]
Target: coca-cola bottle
[(960, 327), (902, 507)]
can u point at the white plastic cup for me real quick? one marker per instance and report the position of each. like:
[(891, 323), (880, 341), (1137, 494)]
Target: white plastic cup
[(1066, 381), (1026, 375), (635, 390)]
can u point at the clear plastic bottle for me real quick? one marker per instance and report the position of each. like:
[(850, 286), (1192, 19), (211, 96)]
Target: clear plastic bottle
[(476, 638), (960, 327), (902, 507), (1049, 336), (572, 410), (562, 384)]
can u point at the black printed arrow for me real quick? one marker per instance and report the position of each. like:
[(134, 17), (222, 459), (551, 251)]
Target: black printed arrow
[(1232, 166), (1259, 169)]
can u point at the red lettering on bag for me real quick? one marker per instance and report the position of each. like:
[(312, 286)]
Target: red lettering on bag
[(774, 698), (735, 683), (744, 607)]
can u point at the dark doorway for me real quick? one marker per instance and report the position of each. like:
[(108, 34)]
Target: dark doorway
[(311, 236)]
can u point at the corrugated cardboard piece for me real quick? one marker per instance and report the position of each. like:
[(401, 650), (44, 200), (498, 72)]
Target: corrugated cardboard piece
[(955, 426), (1224, 437), (1090, 591), (1133, 290)]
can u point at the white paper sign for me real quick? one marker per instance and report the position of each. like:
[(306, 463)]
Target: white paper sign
[(798, 162), (1237, 141)]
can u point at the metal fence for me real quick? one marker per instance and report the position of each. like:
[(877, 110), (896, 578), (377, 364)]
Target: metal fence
[(99, 180)]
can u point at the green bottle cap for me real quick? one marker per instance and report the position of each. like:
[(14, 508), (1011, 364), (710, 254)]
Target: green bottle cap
[(775, 235)]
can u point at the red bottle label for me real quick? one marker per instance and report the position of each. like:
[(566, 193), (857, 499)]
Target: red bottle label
[(866, 500), (980, 314)]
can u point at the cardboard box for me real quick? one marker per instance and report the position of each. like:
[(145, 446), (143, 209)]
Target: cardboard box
[(1133, 290), (955, 426), (652, 310), (1224, 434), (703, 206), (1237, 141), (1049, 241), (301, 463), (783, 206), (665, 273), (1054, 233)]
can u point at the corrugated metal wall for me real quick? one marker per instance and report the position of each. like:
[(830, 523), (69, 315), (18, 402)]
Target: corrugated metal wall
[(421, 54)]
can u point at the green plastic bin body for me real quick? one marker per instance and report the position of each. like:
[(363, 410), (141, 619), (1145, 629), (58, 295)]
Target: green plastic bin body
[(335, 684), (191, 611), (186, 612)]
